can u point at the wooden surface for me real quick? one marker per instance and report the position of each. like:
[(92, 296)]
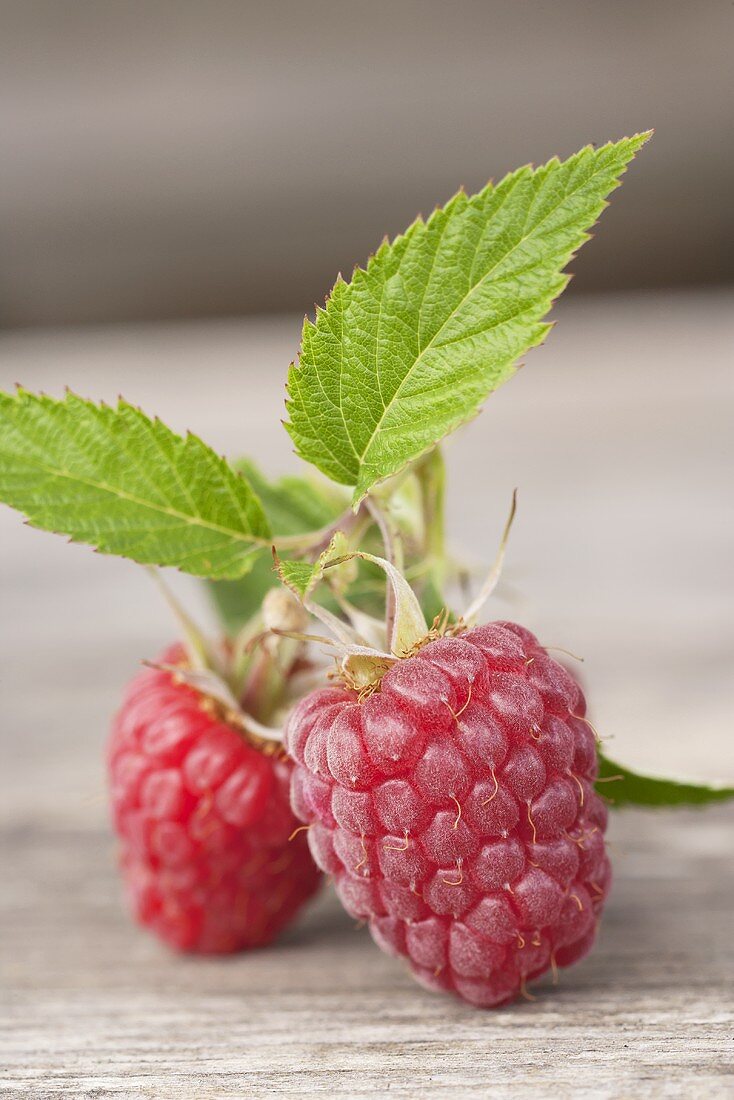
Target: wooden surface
[(618, 434)]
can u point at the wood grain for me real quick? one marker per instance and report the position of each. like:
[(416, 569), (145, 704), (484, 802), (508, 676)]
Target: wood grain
[(623, 549)]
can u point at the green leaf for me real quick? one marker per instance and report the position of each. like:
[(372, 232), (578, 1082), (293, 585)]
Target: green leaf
[(624, 788), (294, 506), (127, 485), (299, 576), (303, 576), (415, 343)]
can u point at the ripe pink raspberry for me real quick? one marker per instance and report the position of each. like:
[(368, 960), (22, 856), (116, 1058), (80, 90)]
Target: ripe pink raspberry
[(456, 812), (204, 821)]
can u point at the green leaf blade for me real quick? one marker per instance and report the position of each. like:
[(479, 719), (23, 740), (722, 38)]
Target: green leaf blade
[(299, 576), (624, 787), (127, 485), (410, 349), (303, 576)]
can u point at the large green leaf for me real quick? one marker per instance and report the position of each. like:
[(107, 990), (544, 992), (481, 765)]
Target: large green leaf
[(624, 788), (127, 485), (414, 344)]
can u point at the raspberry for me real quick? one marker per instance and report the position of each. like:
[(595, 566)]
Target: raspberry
[(455, 810), (204, 822)]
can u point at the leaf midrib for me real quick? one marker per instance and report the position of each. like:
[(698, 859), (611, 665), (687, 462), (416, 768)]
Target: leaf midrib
[(192, 521), (456, 309)]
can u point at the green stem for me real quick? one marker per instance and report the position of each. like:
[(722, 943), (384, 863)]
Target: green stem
[(264, 686), (393, 547), (432, 479), (199, 653), (431, 473)]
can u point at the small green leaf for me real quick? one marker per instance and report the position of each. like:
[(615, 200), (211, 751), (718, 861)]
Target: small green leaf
[(127, 485), (438, 319), (303, 576), (625, 788), (299, 576)]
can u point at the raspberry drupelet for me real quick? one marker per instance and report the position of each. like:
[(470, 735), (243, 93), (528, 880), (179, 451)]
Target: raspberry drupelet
[(455, 810), (204, 822)]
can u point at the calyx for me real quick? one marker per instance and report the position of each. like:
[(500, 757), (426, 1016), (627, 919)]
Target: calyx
[(366, 647)]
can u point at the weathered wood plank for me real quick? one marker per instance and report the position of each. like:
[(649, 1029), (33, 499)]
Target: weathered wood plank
[(622, 550), (97, 1009)]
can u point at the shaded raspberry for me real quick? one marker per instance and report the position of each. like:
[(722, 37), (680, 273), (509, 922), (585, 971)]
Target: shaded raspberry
[(204, 820), (455, 810)]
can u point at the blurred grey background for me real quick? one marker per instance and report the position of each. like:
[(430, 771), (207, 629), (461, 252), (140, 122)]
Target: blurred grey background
[(173, 159)]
